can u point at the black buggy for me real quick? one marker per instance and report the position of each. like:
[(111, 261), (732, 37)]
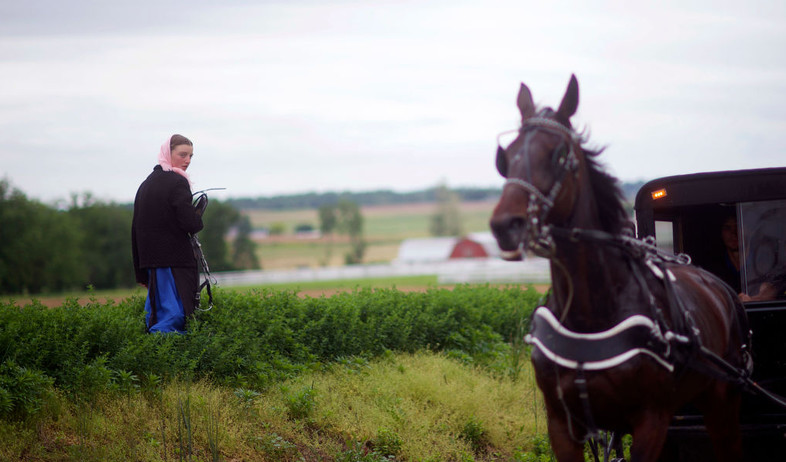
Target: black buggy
[(687, 214)]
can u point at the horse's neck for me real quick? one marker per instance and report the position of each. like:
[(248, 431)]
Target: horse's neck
[(591, 282)]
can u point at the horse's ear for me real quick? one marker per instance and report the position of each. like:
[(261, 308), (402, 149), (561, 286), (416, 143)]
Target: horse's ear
[(525, 103), (570, 102)]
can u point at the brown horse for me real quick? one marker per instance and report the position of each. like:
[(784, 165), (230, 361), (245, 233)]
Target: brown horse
[(620, 346)]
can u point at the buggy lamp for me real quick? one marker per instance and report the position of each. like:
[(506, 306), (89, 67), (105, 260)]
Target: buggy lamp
[(659, 194)]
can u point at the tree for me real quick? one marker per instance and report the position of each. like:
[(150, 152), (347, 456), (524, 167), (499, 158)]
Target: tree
[(351, 222), (105, 242), (244, 254), (277, 228), (328, 220), (345, 217), (39, 246), (218, 219), (304, 228), (446, 220)]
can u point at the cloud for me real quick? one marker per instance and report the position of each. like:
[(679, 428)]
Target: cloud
[(283, 97)]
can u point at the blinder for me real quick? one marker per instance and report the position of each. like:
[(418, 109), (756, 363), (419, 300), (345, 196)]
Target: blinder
[(502, 162), (559, 156)]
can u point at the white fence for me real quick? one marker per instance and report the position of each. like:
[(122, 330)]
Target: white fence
[(533, 270)]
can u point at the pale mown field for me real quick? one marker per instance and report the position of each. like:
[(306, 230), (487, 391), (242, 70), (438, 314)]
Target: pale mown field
[(385, 227)]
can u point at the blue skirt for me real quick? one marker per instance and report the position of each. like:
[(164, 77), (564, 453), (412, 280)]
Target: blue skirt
[(168, 315)]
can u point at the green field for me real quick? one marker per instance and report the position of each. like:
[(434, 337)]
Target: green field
[(366, 376), (385, 227)]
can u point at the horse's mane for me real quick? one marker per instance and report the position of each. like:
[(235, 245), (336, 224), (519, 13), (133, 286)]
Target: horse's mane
[(608, 193), (605, 187)]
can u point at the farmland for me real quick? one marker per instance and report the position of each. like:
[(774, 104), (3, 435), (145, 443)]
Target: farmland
[(385, 226), (366, 375), (355, 370)]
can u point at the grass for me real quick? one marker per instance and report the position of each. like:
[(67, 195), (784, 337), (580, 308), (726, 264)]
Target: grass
[(421, 406), (475, 401), (426, 401)]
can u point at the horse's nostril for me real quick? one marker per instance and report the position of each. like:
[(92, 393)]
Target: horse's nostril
[(505, 223), (508, 230)]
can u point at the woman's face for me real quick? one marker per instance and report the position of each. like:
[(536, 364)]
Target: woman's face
[(729, 234), (181, 156)]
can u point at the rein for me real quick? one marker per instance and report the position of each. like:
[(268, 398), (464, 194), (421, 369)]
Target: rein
[(637, 335), (200, 204)]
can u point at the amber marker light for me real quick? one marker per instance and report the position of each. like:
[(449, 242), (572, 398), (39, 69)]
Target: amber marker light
[(659, 194)]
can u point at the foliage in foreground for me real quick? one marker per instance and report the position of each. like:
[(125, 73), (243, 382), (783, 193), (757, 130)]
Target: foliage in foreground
[(249, 340), (421, 406), (271, 376)]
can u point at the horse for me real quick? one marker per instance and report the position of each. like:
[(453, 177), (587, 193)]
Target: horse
[(630, 334)]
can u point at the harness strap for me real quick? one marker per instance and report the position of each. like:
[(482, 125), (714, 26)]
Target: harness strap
[(200, 256), (636, 335), (205, 283), (201, 205), (152, 290), (639, 247), (581, 384)]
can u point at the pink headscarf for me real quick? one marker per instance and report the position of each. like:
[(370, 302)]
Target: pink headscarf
[(165, 161)]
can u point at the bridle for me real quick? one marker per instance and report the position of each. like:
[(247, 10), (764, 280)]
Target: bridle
[(539, 239)]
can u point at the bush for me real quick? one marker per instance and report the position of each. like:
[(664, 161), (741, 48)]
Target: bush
[(300, 405), (252, 340), (23, 392), (387, 443), (474, 434)]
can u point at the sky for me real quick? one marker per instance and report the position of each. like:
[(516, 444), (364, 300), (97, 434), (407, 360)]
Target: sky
[(285, 97)]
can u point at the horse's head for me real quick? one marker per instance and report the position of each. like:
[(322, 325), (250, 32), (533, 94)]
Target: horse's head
[(541, 167)]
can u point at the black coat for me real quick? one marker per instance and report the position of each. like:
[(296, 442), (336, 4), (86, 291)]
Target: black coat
[(164, 218)]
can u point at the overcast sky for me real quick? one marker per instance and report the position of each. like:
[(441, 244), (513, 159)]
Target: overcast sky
[(291, 96)]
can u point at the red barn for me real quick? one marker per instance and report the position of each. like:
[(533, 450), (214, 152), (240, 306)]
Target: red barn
[(440, 249), (467, 248)]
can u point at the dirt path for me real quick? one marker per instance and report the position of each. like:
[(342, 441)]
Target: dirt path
[(52, 302), (542, 288)]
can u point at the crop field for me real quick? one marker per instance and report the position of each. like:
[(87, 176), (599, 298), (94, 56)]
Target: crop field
[(368, 375), (366, 370), (385, 227)]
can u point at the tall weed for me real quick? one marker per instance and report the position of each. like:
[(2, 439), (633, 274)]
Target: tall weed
[(251, 340), (23, 392)]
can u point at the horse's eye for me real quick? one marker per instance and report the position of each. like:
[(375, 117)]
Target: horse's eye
[(560, 153), (502, 162)]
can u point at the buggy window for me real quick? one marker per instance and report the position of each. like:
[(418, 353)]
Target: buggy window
[(763, 245), (664, 235)]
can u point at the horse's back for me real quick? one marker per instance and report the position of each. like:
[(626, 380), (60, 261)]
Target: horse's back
[(710, 306)]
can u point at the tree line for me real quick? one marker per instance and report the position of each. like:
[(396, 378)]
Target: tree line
[(87, 242), (314, 200)]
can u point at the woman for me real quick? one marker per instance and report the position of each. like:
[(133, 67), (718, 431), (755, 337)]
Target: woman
[(164, 220)]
